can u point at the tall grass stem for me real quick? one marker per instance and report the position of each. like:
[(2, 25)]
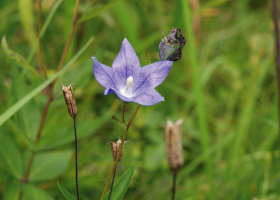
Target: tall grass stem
[(277, 48), (196, 82)]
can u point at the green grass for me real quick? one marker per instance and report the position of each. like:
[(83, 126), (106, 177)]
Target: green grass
[(224, 88)]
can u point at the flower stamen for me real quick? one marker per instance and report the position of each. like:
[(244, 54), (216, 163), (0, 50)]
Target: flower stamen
[(129, 82)]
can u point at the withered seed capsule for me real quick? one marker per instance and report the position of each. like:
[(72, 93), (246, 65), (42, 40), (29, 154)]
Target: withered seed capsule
[(173, 144), (171, 46), (115, 148), (70, 100)]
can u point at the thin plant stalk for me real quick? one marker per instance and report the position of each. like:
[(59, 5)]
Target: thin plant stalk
[(92, 3), (277, 48), (119, 152), (41, 63), (123, 107), (112, 183), (173, 190), (76, 157), (25, 180)]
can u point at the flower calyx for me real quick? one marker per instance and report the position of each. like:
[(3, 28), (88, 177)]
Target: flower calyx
[(115, 149)]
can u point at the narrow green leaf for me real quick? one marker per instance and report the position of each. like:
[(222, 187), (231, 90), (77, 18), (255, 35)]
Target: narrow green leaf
[(12, 110), (93, 11), (43, 30), (121, 186), (12, 190), (35, 193), (65, 193), (10, 156), (16, 57), (47, 166)]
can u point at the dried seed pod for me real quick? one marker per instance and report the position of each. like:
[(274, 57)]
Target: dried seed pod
[(171, 46), (115, 148), (173, 144), (70, 100)]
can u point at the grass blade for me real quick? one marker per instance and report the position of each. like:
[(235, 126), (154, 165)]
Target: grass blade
[(197, 86), (12, 110), (93, 11)]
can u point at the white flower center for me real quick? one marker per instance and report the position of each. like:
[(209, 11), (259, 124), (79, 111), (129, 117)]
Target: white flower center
[(127, 90), (129, 82)]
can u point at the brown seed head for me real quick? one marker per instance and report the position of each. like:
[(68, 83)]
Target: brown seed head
[(173, 144), (70, 100), (115, 148)]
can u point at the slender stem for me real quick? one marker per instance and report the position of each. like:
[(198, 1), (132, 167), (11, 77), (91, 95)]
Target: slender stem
[(25, 180), (173, 190), (112, 183), (45, 112), (132, 118), (92, 3), (69, 37), (123, 108), (119, 152), (277, 47), (76, 146), (41, 63)]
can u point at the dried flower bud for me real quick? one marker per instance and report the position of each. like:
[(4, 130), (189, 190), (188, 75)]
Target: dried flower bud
[(70, 100), (173, 144), (171, 46), (115, 148)]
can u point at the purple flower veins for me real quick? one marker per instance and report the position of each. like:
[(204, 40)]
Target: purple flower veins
[(129, 80)]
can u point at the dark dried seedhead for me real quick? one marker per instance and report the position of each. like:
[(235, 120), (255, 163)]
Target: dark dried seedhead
[(171, 46), (70, 100), (173, 144), (115, 148)]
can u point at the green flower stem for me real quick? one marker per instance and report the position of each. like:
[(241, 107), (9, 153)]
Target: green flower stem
[(123, 107), (119, 152), (112, 183)]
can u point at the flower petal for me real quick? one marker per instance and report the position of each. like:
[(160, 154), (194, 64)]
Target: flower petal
[(126, 64), (104, 74), (109, 91), (150, 76), (116, 91), (149, 98)]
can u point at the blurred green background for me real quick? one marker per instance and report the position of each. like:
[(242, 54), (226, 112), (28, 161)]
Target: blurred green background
[(224, 88)]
